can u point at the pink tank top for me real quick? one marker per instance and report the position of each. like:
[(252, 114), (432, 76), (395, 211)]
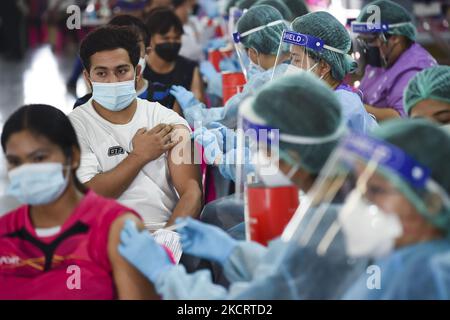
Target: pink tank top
[(72, 264)]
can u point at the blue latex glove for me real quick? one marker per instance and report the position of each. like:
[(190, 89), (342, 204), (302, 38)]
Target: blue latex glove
[(208, 71), (185, 98), (227, 167), (225, 136), (205, 241), (212, 150), (213, 78), (230, 64), (143, 252)]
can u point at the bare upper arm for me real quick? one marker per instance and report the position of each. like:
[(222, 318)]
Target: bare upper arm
[(197, 85), (129, 282), (184, 172)]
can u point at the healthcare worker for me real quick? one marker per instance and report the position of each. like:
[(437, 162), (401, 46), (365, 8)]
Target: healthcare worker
[(317, 129), (409, 192), (259, 31), (428, 95), (320, 44), (401, 57)]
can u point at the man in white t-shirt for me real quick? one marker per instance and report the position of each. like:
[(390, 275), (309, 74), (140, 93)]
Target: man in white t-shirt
[(131, 147)]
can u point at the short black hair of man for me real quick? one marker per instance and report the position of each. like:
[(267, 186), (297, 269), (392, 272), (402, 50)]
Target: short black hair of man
[(110, 38)]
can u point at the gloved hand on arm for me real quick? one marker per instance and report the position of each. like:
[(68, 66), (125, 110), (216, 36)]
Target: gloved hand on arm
[(205, 241), (185, 98), (141, 250)]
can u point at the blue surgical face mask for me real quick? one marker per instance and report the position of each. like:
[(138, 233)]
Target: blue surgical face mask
[(114, 96), (38, 184)]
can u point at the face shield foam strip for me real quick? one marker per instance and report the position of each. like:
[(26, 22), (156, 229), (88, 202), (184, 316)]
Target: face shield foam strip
[(308, 41)]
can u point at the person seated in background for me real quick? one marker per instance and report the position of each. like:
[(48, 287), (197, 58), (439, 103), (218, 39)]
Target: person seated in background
[(191, 40), (153, 4), (428, 95), (165, 67), (126, 142), (61, 223), (401, 57)]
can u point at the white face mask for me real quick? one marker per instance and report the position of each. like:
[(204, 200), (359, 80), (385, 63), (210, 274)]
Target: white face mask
[(143, 63), (368, 231), (270, 174), (446, 127), (291, 69), (38, 183)]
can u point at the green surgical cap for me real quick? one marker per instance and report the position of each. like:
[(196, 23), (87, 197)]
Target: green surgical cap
[(432, 83), (390, 13), (297, 7), (430, 146), (267, 40), (301, 105), (323, 25), (280, 6)]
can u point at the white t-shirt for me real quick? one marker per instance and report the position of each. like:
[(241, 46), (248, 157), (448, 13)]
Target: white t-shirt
[(104, 145)]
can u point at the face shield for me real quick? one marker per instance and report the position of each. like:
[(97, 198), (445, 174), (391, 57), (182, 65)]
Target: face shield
[(301, 46), (243, 52), (366, 185), (264, 172)]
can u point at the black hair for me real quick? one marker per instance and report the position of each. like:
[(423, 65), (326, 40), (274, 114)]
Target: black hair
[(46, 121), (161, 20), (126, 20), (178, 3), (109, 38)]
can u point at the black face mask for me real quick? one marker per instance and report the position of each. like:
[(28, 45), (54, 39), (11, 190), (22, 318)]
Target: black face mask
[(373, 57), (168, 51), (195, 9)]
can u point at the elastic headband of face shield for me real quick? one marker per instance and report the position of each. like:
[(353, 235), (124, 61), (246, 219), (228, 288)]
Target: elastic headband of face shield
[(369, 27), (251, 121), (307, 41), (403, 171), (239, 36)]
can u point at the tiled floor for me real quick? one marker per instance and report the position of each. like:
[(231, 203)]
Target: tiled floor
[(39, 78)]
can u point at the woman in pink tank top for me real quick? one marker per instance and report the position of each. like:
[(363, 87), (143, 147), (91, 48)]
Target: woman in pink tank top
[(62, 244)]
